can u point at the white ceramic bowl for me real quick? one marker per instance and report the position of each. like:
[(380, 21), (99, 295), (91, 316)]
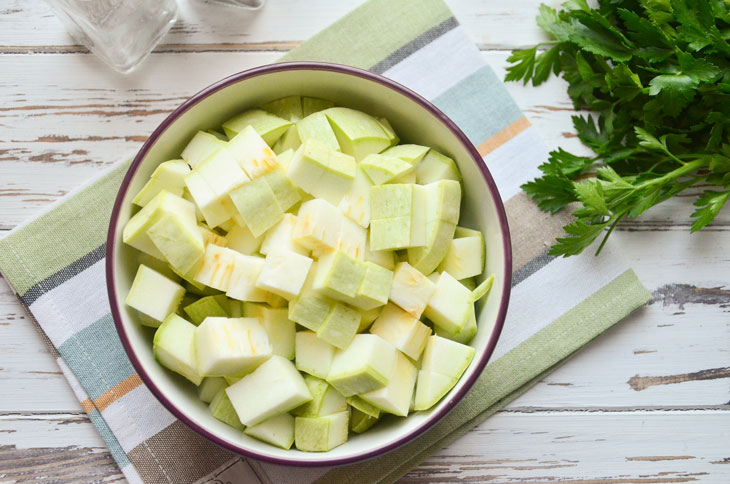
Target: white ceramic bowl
[(416, 121)]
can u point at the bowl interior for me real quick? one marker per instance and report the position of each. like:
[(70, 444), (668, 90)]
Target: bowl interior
[(413, 123)]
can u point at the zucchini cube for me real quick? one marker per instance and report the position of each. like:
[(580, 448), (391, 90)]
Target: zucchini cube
[(321, 434), (450, 305), (200, 147), (252, 153), (313, 355), (213, 209), (338, 276), (358, 403), (410, 153), (222, 173), (164, 204), (210, 237), (213, 306), (325, 399), (319, 225), (352, 239), (396, 396), (411, 290), (340, 326), (360, 421), (280, 330), (375, 287), (154, 295), (365, 365), (317, 126), (284, 273), (222, 409), (465, 257), (169, 175), (273, 388), (444, 201), (281, 236), (355, 204), (430, 388), (358, 134), (310, 310), (427, 258), (240, 239), (436, 166), (278, 431), (179, 240), (209, 388), (230, 346), (419, 217), (285, 192), (390, 234), (311, 105), (174, 347), (242, 284), (368, 317), (402, 330), (467, 332), (289, 107), (217, 267), (256, 203), (269, 126), (446, 357), (383, 168), (384, 258), (389, 131), (321, 171), (391, 201)]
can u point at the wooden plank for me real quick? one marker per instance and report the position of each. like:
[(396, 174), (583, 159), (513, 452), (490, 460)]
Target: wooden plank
[(61, 130), (31, 26), (538, 447)]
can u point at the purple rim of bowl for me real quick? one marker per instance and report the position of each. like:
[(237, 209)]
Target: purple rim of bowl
[(347, 70)]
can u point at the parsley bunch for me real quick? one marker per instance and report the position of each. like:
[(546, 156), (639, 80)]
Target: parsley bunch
[(656, 76)]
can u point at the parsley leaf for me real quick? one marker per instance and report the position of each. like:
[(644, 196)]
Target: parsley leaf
[(655, 76)]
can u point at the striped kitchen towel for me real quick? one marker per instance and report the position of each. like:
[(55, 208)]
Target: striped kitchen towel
[(55, 264)]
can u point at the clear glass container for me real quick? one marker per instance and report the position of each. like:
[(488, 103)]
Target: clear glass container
[(121, 32), (249, 4)]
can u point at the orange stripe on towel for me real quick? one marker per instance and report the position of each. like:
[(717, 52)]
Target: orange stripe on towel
[(503, 136), (117, 391)]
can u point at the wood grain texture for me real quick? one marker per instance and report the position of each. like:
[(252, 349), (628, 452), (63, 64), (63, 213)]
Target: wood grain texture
[(646, 403)]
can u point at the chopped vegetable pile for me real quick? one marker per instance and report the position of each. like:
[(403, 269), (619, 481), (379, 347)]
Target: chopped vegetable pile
[(656, 73), (307, 273)]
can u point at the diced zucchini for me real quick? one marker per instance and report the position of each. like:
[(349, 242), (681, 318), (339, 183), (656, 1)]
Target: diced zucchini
[(277, 430), (359, 404), (383, 169), (284, 273), (319, 225), (242, 284), (269, 126), (466, 333), (256, 203), (389, 131), (310, 310), (360, 421), (434, 167), (358, 134), (230, 346), (483, 289), (222, 173), (311, 105), (223, 410), (396, 396), (390, 234), (201, 147), (411, 290), (289, 107), (281, 236), (210, 387), (173, 346), (242, 240), (446, 357), (430, 388), (252, 153), (217, 268), (213, 209), (214, 306), (450, 304), (412, 154), (368, 317), (321, 434), (355, 203), (338, 276), (402, 330), (313, 355), (273, 388), (365, 365), (325, 399), (321, 171), (169, 175), (340, 326), (286, 193), (279, 328), (465, 257), (374, 288), (154, 295), (179, 240)]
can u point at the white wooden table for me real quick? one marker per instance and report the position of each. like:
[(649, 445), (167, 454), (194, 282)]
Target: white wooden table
[(646, 403)]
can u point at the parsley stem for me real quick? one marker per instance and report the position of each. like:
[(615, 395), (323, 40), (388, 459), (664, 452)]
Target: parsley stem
[(682, 170), (610, 229)]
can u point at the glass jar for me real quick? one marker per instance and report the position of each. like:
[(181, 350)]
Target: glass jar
[(121, 32), (249, 4)]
